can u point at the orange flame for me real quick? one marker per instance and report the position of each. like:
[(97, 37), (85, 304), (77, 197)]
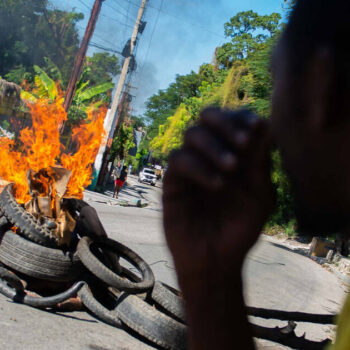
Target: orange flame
[(39, 147), (88, 137)]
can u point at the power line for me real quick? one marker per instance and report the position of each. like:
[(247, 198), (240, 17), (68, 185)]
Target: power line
[(127, 12), (130, 2), (104, 48), (100, 37), (116, 10), (116, 20), (152, 34), (83, 3), (109, 17), (118, 3), (182, 20)]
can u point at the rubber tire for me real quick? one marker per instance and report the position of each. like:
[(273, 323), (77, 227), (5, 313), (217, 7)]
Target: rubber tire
[(94, 306), (169, 300), (40, 302), (108, 276), (11, 279), (37, 261), (151, 323), (27, 225), (4, 223)]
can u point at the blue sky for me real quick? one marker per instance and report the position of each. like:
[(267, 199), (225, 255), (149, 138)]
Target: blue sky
[(180, 35)]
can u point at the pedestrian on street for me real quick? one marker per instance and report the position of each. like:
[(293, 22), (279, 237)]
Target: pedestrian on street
[(119, 182), (210, 229)]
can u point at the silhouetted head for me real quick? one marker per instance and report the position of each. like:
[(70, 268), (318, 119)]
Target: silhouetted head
[(311, 112)]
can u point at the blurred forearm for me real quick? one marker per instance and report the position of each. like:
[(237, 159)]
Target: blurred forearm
[(216, 313)]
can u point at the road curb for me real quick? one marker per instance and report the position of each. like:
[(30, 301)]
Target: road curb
[(340, 275), (302, 251), (139, 203)]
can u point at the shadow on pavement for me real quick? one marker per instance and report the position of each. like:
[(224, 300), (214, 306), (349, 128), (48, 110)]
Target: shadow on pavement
[(296, 250)]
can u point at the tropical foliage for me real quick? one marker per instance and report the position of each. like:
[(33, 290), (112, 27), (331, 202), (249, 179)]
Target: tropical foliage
[(123, 142), (85, 97), (38, 35), (238, 78), (34, 32)]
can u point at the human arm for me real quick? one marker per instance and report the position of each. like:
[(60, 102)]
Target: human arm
[(217, 197)]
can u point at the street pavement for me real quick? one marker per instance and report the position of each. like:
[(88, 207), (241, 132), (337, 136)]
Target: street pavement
[(274, 277)]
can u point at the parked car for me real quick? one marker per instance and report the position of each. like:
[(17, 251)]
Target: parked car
[(148, 175)]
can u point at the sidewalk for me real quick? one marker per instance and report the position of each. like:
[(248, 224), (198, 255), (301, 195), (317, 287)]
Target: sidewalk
[(129, 196)]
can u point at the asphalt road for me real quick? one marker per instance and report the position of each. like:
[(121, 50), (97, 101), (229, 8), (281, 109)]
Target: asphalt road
[(274, 278)]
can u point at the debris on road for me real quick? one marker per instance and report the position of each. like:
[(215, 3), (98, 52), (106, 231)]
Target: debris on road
[(30, 256), (124, 299)]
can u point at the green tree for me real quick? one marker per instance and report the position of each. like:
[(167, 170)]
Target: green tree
[(289, 5), (31, 32), (248, 32), (123, 142), (257, 84), (101, 68), (240, 79), (138, 122), (163, 104)]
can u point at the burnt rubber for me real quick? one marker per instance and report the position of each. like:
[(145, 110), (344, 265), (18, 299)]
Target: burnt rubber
[(151, 323), (40, 302), (27, 225), (169, 300), (94, 265), (11, 279), (100, 311), (4, 223), (37, 261)]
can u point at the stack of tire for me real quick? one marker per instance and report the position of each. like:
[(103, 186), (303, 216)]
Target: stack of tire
[(132, 301)]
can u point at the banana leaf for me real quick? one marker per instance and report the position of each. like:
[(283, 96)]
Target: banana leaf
[(89, 93), (46, 87), (27, 96)]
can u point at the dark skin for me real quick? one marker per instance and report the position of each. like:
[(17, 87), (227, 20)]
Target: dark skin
[(218, 194), (205, 226), (118, 188)]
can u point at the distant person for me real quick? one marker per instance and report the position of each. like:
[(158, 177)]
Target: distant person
[(210, 229), (119, 182)]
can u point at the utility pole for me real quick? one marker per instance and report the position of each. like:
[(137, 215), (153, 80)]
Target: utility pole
[(106, 157), (80, 59), (112, 117)]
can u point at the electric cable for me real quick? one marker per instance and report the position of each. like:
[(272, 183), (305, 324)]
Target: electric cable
[(181, 19), (116, 10), (152, 34)]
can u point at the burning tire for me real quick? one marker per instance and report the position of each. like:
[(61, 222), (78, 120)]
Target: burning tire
[(151, 323), (94, 265), (38, 261), (169, 300), (27, 225)]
